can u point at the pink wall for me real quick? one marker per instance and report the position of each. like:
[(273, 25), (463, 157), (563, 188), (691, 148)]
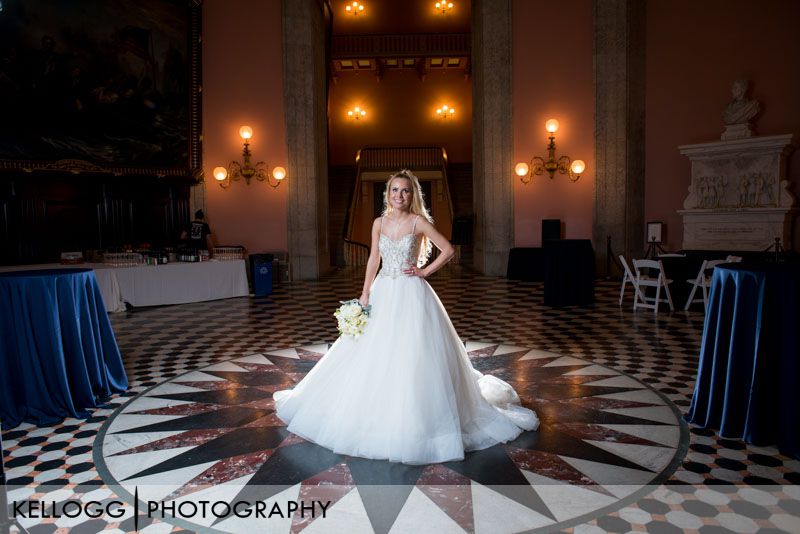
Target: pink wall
[(694, 51), (552, 78), (243, 84)]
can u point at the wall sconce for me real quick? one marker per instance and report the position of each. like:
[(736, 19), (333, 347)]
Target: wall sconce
[(444, 7), (445, 112), (356, 113), (355, 8), (538, 166), (237, 171)]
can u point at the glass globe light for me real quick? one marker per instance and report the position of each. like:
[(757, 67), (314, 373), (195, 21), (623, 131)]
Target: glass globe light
[(578, 166), (220, 173)]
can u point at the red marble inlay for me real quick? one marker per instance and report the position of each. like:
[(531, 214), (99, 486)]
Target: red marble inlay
[(551, 466), (338, 475), (484, 352), (224, 471), (601, 433), (575, 380), (525, 365), (181, 409), (212, 385), (260, 404), (267, 420), (597, 403), (308, 355), (259, 367), (439, 475), (184, 439), (451, 492), (291, 439), (330, 485), (272, 388)]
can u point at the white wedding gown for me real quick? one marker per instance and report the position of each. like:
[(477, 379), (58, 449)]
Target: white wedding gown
[(405, 390)]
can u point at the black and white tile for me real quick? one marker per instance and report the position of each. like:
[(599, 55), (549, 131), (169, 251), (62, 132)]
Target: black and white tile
[(720, 486)]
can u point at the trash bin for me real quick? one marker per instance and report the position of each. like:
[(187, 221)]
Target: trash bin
[(261, 272)]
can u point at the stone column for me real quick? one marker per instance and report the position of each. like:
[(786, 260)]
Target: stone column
[(619, 73), (492, 135), (304, 100)]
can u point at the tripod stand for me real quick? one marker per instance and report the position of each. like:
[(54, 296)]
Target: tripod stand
[(6, 522), (653, 249)]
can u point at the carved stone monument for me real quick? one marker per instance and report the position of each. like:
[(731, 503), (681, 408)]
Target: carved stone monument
[(739, 197)]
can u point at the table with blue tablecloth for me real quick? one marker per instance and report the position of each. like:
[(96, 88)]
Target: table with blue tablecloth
[(748, 377), (58, 353)]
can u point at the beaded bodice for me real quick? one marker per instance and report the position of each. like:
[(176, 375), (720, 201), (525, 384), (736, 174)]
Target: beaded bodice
[(397, 255)]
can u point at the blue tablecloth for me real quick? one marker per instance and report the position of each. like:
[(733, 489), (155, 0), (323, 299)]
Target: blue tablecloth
[(748, 378), (58, 354)]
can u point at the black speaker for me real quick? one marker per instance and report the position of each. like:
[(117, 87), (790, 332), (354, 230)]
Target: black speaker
[(551, 229)]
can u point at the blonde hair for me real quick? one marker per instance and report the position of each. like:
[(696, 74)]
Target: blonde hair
[(417, 208)]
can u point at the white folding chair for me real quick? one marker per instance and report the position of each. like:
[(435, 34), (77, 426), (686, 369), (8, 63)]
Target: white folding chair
[(627, 278), (654, 278), (703, 280)]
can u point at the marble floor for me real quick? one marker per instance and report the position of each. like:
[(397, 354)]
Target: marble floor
[(611, 455)]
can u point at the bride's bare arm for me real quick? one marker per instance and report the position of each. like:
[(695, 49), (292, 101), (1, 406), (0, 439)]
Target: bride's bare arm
[(446, 249), (373, 262)]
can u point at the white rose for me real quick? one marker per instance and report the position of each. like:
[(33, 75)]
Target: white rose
[(351, 310)]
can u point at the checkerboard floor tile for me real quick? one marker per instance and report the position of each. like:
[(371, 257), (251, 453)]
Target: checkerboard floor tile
[(721, 485)]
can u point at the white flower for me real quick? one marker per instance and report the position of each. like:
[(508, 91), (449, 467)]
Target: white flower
[(350, 311), (352, 318)]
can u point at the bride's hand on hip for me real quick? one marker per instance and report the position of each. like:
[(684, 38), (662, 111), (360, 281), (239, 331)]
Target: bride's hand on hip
[(413, 270)]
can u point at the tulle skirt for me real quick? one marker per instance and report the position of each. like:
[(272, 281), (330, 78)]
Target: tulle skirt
[(405, 390)]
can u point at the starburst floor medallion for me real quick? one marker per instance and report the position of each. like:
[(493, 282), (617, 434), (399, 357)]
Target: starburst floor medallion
[(212, 434)]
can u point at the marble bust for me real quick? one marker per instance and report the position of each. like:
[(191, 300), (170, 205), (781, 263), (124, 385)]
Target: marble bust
[(739, 111)]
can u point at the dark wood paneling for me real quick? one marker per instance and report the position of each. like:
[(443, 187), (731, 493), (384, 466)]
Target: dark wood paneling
[(43, 215)]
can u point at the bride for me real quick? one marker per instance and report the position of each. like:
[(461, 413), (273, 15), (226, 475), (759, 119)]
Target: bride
[(405, 390)]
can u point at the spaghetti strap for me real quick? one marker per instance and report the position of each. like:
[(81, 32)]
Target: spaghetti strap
[(414, 226), (381, 227)]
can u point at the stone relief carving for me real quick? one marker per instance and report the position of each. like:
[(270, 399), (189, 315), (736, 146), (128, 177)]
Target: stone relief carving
[(755, 191), (748, 190), (764, 195), (739, 112), (744, 191), (710, 191), (739, 198)]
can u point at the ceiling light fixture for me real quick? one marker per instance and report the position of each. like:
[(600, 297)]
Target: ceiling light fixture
[(444, 7), (445, 112), (356, 113), (355, 8)]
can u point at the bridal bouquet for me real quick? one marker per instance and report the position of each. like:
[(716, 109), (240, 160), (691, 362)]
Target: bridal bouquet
[(352, 318)]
